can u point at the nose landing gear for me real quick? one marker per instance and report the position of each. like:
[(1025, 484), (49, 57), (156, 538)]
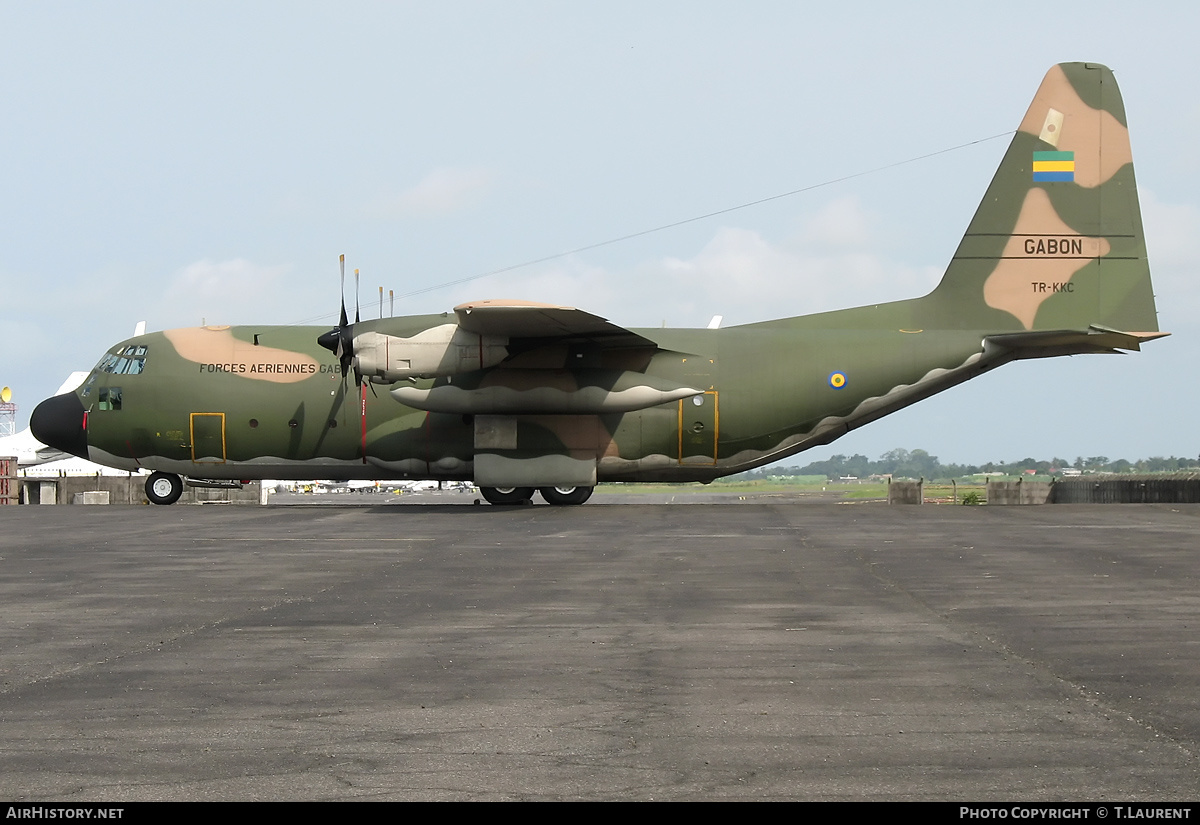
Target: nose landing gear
[(164, 488)]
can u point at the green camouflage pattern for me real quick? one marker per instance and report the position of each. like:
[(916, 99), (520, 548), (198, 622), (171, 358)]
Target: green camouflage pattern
[(513, 394)]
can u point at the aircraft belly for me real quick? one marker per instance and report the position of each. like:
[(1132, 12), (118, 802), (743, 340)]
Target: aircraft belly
[(256, 468)]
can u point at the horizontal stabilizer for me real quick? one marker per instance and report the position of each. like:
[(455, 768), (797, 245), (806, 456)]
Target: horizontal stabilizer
[(1047, 343)]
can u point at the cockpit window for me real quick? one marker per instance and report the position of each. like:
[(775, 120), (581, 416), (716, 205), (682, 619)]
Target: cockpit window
[(127, 361)]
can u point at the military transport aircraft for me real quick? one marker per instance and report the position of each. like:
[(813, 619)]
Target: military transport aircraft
[(519, 396)]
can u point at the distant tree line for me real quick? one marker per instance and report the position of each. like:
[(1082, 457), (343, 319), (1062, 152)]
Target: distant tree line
[(919, 464)]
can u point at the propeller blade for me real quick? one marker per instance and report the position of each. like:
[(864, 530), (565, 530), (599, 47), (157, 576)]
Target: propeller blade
[(342, 265), (340, 339)]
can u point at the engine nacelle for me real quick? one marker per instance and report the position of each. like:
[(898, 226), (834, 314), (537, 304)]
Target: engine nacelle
[(439, 351)]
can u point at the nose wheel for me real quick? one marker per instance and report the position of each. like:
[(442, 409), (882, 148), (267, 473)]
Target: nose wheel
[(164, 488)]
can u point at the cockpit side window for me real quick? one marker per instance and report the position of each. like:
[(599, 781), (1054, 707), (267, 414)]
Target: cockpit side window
[(110, 398)]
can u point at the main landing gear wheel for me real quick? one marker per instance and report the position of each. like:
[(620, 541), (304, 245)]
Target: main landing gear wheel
[(507, 495), (566, 495), (164, 488)]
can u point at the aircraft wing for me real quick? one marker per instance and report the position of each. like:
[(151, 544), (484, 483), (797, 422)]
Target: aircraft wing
[(528, 319)]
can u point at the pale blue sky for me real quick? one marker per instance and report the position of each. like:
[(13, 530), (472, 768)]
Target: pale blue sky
[(175, 162)]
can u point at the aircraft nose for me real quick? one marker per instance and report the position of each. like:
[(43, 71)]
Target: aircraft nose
[(58, 423)]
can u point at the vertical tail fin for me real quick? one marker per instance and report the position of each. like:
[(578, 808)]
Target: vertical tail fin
[(1057, 241)]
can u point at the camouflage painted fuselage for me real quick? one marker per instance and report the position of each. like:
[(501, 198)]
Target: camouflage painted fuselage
[(209, 403)]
